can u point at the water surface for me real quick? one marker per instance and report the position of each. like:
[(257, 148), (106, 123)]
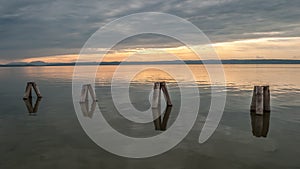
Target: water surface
[(53, 137)]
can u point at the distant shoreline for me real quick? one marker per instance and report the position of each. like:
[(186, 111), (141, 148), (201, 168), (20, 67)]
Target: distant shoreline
[(258, 61)]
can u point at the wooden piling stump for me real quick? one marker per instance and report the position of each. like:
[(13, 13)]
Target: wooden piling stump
[(267, 99), (36, 89), (84, 94), (156, 95), (158, 87), (166, 93), (86, 89), (260, 100), (28, 90)]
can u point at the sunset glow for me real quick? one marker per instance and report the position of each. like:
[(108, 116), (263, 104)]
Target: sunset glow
[(261, 48)]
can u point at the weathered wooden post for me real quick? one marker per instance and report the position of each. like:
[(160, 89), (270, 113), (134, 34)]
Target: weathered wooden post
[(166, 93), (156, 109), (267, 99), (158, 87), (156, 95), (260, 111), (260, 100), (28, 90), (87, 88)]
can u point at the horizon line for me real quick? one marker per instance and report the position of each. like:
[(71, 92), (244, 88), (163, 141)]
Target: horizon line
[(225, 61)]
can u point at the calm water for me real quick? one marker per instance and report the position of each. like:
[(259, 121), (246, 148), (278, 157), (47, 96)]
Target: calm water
[(53, 138)]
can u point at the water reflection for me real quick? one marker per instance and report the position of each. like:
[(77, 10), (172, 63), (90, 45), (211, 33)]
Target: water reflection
[(32, 109), (240, 76), (260, 124), (87, 109), (161, 124)]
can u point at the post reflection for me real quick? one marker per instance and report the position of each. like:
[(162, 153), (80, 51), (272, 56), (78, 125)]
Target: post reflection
[(87, 109), (161, 124), (260, 124), (32, 108)]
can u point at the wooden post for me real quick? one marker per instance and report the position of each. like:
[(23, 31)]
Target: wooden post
[(166, 93), (84, 94), (158, 86), (260, 100), (267, 99), (253, 102), (36, 89), (92, 93), (87, 88), (156, 95), (28, 90)]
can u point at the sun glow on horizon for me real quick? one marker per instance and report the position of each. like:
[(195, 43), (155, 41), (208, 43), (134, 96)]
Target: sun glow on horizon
[(260, 48)]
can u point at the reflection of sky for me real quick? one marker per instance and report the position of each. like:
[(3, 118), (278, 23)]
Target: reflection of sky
[(55, 132), (279, 77)]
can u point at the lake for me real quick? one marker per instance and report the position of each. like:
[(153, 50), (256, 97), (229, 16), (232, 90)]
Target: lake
[(52, 137)]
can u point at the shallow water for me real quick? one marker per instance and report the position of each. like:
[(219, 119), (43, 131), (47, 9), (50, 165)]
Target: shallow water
[(53, 137)]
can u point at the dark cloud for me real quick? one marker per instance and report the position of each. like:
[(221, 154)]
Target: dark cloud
[(37, 28)]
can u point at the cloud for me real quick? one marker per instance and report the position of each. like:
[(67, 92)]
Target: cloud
[(36, 28)]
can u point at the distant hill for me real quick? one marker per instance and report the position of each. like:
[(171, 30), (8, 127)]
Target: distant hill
[(35, 63), (256, 61), (38, 63)]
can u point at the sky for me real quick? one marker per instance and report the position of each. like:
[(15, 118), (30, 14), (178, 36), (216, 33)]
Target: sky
[(55, 31)]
